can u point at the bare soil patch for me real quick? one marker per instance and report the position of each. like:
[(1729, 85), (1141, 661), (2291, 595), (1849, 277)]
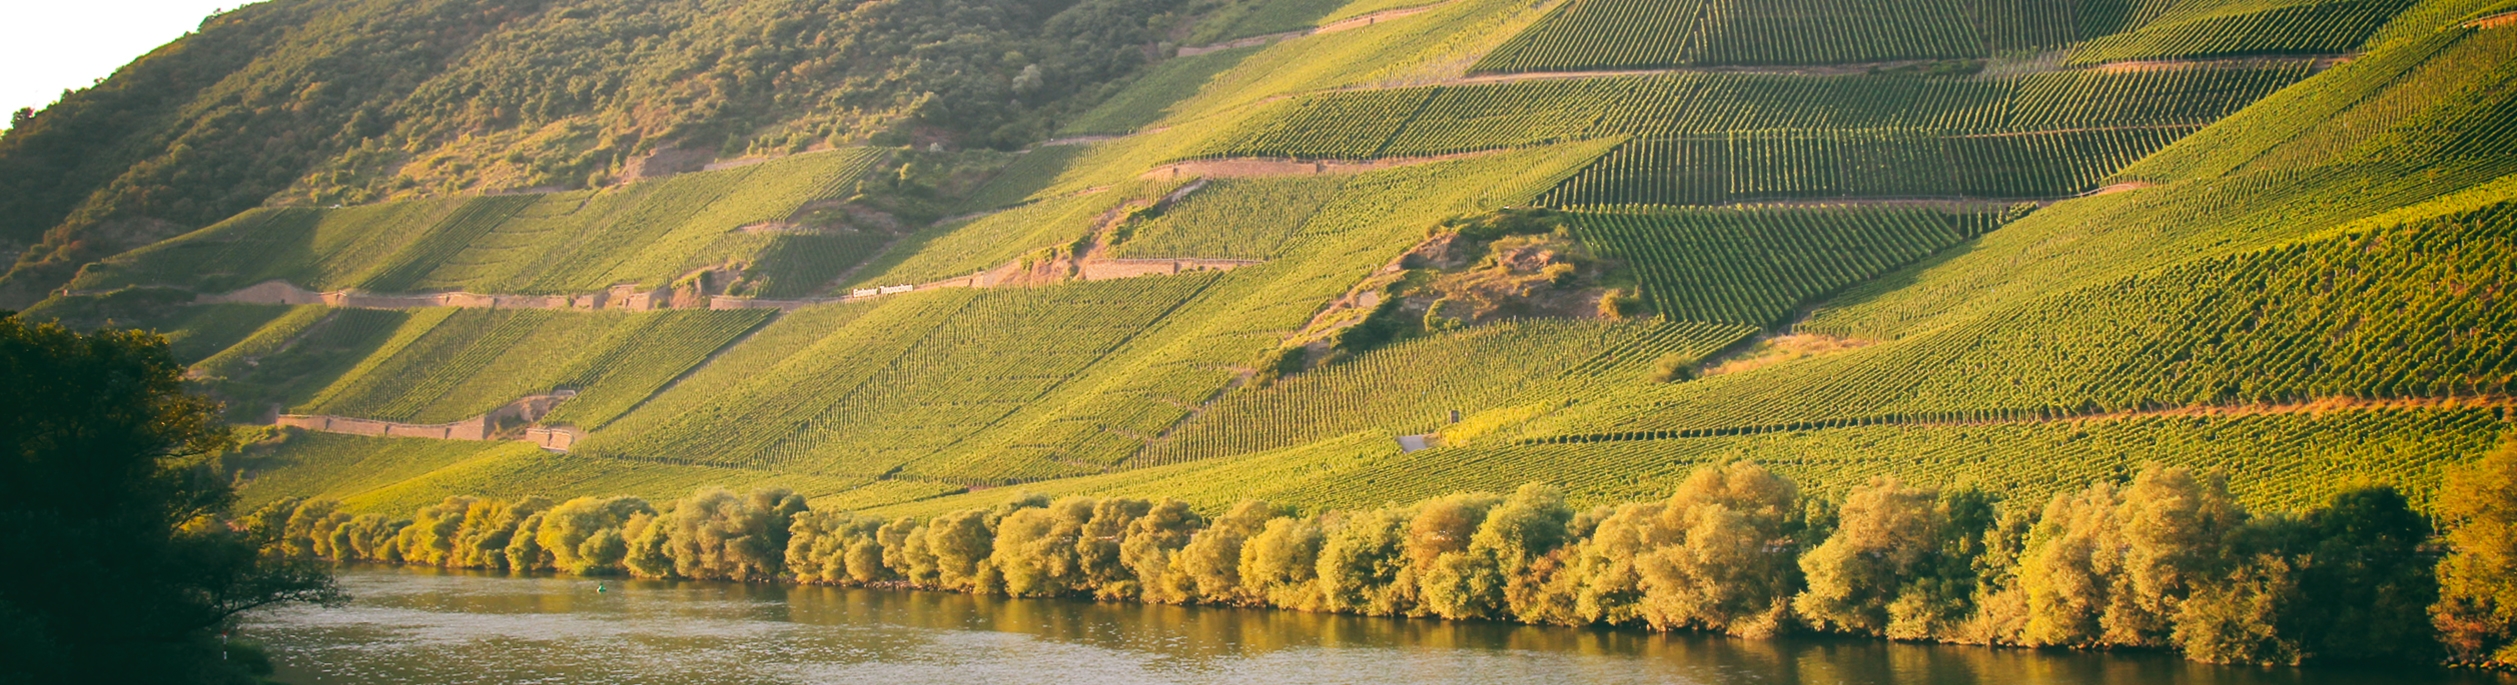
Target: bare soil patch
[(2496, 21)]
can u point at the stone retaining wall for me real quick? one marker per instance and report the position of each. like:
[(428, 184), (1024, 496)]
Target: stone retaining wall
[(483, 427)]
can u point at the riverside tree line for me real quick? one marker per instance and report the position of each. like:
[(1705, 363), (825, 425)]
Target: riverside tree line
[(2166, 561)]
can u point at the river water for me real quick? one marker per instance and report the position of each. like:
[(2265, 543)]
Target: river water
[(426, 626)]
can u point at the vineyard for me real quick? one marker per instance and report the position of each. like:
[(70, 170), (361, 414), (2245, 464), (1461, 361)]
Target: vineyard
[(1711, 138), (2286, 461), (1624, 34), (398, 475), (906, 378), (1417, 386), (194, 333), (1261, 17), (2093, 241), (646, 233), (2254, 27), (1632, 34), (2439, 99), (2375, 315), (1020, 180), (1337, 126), (1103, 419), (1749, 166), (1153, 94), (961, 248), (1754, 266), (442, 365), (287, 362), (1231, 219)]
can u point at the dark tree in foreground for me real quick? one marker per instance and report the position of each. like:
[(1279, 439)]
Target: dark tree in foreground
[(113, 567)]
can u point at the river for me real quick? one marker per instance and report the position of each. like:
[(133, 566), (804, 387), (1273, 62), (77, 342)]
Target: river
[(427, 626)]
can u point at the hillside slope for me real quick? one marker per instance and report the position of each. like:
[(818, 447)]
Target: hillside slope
[(320, 102), (1475, 244)]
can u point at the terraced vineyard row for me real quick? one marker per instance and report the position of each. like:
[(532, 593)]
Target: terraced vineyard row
[(1443, 120), (648, 233), (794, 266), (897, 380), (2246, 28), (287, 362), (2442, 99), (1775, 165), (1414, 387), (193, 333), (1232, 219), (1753, 266), (447, 364), (1354, 125), (2090, 242), (396, 475), (1634, 34), (2407, 312), (1611, 34), (1022, 178), (1261, 17), (1152, 95), (961, 248)]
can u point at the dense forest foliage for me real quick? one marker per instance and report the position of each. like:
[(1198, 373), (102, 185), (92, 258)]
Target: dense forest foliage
[(2165, 561), (350, 101), (119, 566)]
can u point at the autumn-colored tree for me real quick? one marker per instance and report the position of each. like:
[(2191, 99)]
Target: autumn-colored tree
[(1899, 564), (1211, 563), (1729, 565), (2476, 613), (1475, 582), (583, 535), (1152, 540), (1363, 564), (1280, 565), (1035, 548)]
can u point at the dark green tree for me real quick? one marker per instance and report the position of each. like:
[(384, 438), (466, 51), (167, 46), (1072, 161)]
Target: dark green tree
[(117, 568), (2367, 581)]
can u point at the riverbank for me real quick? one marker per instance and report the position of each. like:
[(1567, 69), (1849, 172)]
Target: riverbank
[(439, 626), (2167, 562)]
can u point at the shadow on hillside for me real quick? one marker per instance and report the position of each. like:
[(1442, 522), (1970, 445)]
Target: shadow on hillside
[(1898, 279)]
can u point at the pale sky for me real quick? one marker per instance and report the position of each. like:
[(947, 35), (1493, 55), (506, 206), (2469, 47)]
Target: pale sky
[(47, 46)]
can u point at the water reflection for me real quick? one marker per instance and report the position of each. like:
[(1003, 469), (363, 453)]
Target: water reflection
[(420, 626)]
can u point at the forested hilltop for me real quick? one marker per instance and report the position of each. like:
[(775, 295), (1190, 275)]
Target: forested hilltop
[(918, 262)]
